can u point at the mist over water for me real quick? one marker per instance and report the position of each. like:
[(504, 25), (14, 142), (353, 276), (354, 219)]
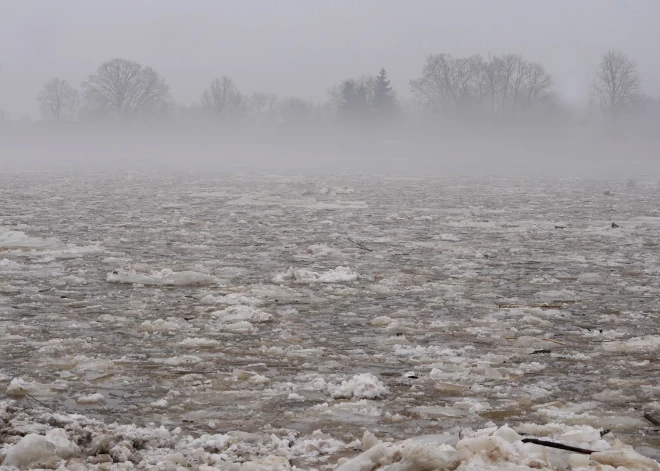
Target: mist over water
[(442, 88)]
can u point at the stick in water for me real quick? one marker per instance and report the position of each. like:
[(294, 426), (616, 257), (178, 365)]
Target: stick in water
[(560, 446), (651, 419)]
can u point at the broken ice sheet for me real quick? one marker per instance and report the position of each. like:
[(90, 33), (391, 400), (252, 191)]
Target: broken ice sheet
[(209, 331)]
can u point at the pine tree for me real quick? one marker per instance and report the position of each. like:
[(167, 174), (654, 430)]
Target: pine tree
[(352, 99), (384, 102)]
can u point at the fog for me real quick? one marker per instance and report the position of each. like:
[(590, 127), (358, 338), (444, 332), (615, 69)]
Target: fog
[(287, 235), (300, 87)]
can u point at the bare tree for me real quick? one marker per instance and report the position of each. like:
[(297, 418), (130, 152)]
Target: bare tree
[(510, 83), (126, 88), (448, 84), (263, 105), (58, 101), (491, 82), (297, 111), (223, 99), (617, 85), (537, 85)]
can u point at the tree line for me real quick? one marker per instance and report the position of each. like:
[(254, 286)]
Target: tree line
[(496, 87)]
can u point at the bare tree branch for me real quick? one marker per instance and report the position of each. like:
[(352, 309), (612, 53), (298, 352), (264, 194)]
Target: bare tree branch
[(223, 99), (125, 88), (58, 101), (500, 84), (358, 244), (617, 85)]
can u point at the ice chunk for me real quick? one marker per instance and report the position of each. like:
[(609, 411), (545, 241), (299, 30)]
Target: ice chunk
[(298, 275), (361, 386), (428, 456), (242, 313), (96, 398), (5, 263), (19, 387), (182, 360), (161, 325), (372, 459), (268, 463), (628, 458), (293, 397), (241, 327), (63, 447), (508, 434), (578, 461), (382, 320), (164, 277), (369, 440), (649, 342), (31, 449), (199, 342), (590, 278), (449, 238), (411, 455), (338, 275), (19, 240), (230, 299), (470, 446)]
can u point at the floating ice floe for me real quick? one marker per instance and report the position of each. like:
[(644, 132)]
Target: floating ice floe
[(241, 313), (298, 275), (306, 203), (230, 299), (650, 342), (323, 251), (17, 240), (30, 449), (165, 277), (496, 449), (335, 190), (241, 327), (50, 248), (381, 321), (491, 448), (181, 360), (18, 387), (6, 263), (361, 386), (96, 398), (199, 343), (161, 403), (590, 278), (449, 238), (172, 324)]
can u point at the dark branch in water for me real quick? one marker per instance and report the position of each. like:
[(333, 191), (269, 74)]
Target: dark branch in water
[(29, 396), (559, 446), (359, 244), (650, 418)]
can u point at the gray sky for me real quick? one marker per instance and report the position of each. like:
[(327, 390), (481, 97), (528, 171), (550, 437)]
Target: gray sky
[(302, 47)]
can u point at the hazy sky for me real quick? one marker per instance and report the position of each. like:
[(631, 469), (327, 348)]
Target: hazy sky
[(303, 47)]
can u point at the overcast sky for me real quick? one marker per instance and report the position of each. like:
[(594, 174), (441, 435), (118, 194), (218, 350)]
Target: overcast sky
[(303, 47)]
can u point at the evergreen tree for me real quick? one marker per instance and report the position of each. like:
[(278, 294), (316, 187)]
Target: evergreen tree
[(352, 99), (384, 102)]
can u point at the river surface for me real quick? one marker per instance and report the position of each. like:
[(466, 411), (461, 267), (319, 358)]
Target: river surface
[(243, 302)]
